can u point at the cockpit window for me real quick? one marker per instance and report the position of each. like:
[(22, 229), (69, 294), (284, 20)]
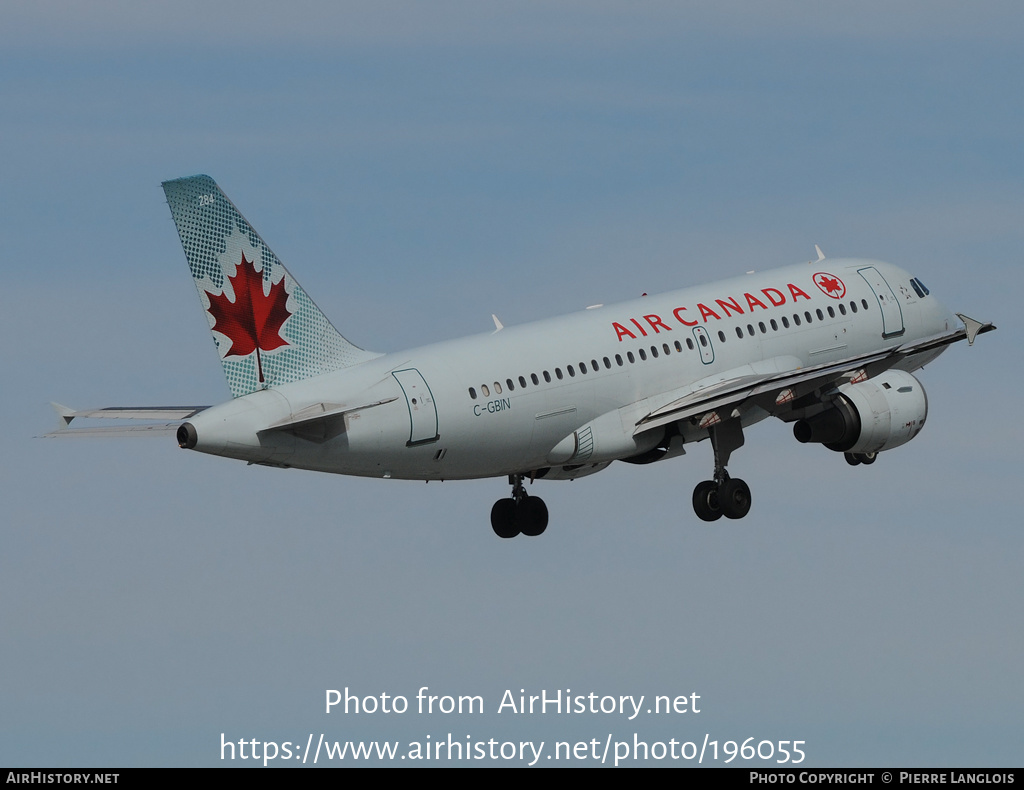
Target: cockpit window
[(920, 287)]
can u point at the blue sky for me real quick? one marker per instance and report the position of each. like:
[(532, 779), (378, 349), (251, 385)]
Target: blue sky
[(419, 167)]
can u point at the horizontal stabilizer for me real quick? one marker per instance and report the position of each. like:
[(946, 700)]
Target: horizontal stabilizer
[(68, 414), (114, 431), (129, 412), (321, 421)]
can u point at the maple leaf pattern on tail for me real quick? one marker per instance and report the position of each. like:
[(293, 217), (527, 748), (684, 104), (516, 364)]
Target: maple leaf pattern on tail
[(253, 321)]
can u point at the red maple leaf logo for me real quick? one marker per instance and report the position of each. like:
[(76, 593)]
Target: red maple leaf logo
[(830, 286), (253, 321)]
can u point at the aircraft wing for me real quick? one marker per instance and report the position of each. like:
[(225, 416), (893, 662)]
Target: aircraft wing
[(714, 398), (150, 413)]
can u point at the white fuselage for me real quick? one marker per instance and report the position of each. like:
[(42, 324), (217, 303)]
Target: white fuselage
[(459, 409)]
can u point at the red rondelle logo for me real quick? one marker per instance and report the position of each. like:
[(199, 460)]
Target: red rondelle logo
[(830, 285)]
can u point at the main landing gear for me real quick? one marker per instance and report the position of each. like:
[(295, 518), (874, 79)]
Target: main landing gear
[(853, 459), (723, 496), (521, 513)]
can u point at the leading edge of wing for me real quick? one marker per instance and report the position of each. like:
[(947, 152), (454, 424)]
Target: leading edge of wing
[(734, 387), (739, 385)]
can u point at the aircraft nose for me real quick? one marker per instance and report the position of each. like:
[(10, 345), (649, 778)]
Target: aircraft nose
[(946, 315)]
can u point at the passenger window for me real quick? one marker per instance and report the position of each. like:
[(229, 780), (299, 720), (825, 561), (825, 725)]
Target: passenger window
[(864, 302), (643, 355), (547, 377), (831, 312), (522, 382), (761, 326), (842, 308), (853, 306), (608, 364), (775, 326), (472, 393), (618, 360), (667, 349), (630, 357), (497, 388), (796, 320), (558, 373), (486, 392), (679, 347), (534, 379), (570, 371), (807, 315), (821, 316), (689, 344), (511, 386), (739, 333), (785, 322)]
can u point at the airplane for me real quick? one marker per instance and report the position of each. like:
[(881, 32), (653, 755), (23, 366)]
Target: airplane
[(829, 346)]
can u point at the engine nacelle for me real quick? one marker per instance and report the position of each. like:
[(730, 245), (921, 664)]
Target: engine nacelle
[(875, 415)]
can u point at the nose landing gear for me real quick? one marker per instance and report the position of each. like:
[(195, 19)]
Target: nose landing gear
[(520, 514)]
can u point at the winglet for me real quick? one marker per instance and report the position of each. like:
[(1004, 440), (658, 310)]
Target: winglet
[(974, 328), (66, 414), (821, 255), (498, 326)]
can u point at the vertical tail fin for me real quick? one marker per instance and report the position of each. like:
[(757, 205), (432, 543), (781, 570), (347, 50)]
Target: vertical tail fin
[(267, 330)]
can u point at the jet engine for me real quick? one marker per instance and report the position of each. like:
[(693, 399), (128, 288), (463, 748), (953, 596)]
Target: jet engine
[(874, 415)]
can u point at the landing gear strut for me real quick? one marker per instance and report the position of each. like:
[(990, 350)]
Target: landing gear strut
[(521, 513), (723, 496)]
